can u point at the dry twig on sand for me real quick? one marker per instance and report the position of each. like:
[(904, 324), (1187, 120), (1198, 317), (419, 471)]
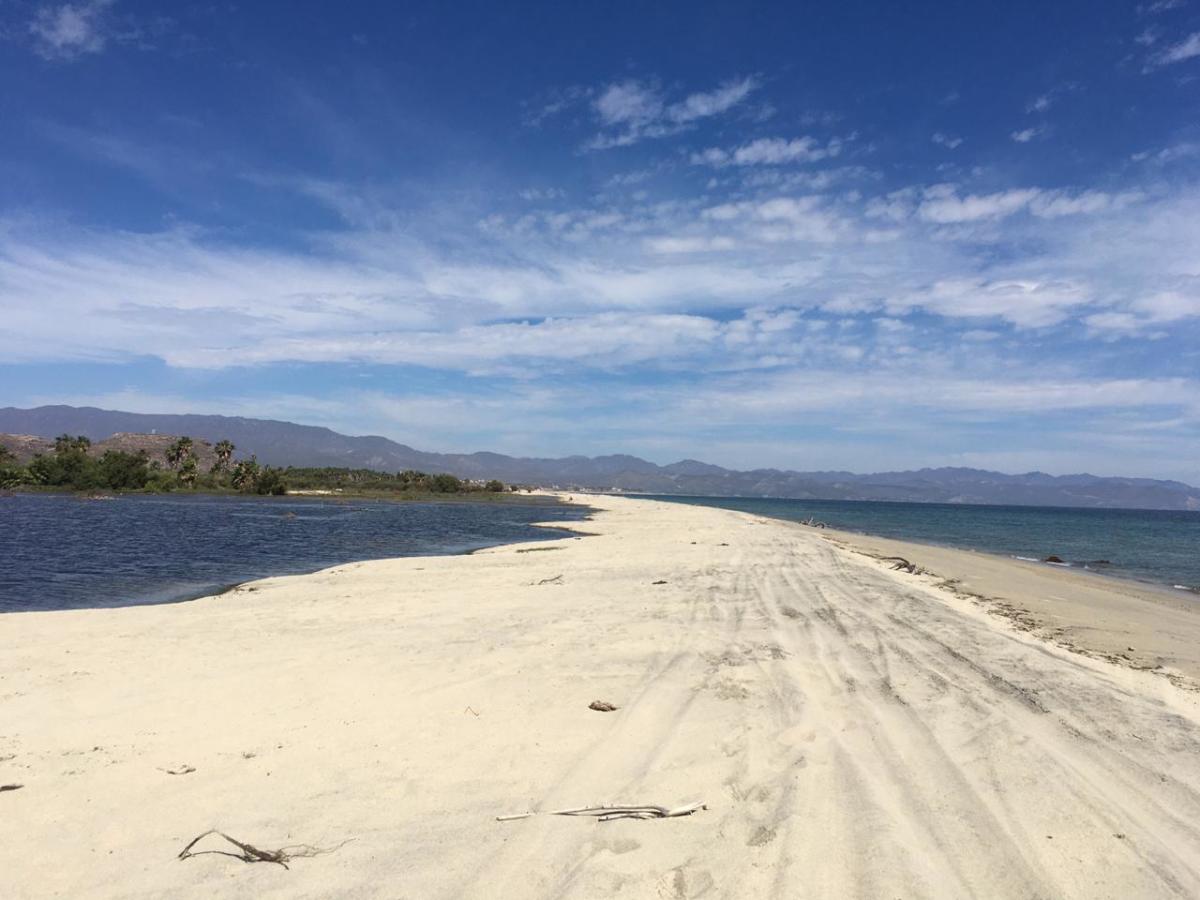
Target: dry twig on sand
[(557, 579), (10, 787), (902, 564), (610, 813), (251, 854)]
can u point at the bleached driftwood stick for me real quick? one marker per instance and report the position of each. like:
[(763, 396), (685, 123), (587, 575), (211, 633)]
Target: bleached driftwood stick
[(609, 813)]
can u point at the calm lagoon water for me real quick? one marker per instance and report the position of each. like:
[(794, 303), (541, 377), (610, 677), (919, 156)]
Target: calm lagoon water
[(1160, 546), (60, 552)]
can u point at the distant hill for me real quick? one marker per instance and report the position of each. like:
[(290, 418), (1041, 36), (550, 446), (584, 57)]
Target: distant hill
[(285, 443), (26, 446)]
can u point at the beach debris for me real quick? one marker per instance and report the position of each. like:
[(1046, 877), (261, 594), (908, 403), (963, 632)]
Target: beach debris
[(610, 813), (813, 523), (660, 581), (185, 769), (902, 564), (471, 711), (537, 549), (251, 854), (1053, 559), (10, 787), (557, 579), (602, 706)]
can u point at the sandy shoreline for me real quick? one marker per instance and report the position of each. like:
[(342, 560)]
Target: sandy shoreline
[(854, 731), (1127, 622)]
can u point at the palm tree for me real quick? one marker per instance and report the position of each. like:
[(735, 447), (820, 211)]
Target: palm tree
[(65, 443), (188, 471), (179, 451), (224, 450), (245, 474)]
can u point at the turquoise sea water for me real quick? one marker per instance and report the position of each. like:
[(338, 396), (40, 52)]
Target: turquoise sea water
[(60, 552), (1159, 546)]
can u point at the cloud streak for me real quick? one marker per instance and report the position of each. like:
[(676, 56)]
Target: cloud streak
[(1188, 48), (71, 30), (631, 111), (769, 152)]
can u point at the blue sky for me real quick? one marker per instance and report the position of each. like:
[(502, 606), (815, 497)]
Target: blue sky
[(855, 235)]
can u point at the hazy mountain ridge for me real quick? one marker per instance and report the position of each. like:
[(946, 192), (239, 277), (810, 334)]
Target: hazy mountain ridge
[(286, 443)]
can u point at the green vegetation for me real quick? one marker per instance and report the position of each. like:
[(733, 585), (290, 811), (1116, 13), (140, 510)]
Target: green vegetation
[(11, 474), (224, 451), (368, 481), (72, 466), (249, 477)]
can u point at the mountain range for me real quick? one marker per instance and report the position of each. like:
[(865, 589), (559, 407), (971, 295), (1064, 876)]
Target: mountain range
[(286, 443)]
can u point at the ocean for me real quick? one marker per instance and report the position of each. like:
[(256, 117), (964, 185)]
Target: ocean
[(1155, 546), (61, 552)]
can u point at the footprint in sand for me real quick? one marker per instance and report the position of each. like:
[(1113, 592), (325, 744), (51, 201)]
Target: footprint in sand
[(680, 884), (761, 837)]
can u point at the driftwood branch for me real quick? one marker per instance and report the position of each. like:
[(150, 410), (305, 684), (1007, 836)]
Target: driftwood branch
[(610, 813), (251, 854), (902, 564)]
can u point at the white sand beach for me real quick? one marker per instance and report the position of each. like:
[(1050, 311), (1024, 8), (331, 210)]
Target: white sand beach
[(854, 731)]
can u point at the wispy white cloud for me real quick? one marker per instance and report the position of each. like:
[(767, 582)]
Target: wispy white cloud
[(745, 401), (554, 103), (1025, 303), (1159, 6), (1148, 36), (689, 244), (1188, 48), (769, 152), (1043, 102), (1055, 204), (1183, 150), (542, 194), (949, 141), (631, 111), (943, 205), (703, 105), (629, 103), (1025, 135), (1147, 312), (70, 30)]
